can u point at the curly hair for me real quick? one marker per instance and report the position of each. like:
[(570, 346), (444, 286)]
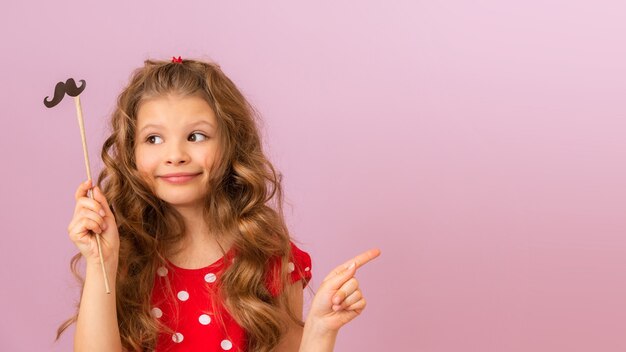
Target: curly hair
[(244, 204)]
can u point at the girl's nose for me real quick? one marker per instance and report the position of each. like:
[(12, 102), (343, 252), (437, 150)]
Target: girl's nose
[(177, 155), (176, 161)]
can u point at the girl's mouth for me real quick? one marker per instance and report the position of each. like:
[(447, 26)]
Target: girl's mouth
[(178, 179)]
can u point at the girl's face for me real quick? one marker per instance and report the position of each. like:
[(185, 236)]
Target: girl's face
[(176, 145)]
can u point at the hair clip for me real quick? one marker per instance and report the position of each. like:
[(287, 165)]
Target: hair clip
[(177, 60)]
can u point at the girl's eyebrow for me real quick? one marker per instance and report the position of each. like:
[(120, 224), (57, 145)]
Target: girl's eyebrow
[(193, 124)]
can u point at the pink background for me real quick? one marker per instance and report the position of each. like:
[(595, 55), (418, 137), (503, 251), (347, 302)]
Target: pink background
[(479, 144)]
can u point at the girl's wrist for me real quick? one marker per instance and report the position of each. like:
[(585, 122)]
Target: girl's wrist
[(315, 328), (316, 338), (110, 265)]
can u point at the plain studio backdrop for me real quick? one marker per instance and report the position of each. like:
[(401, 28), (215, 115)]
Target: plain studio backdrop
[(479, 144)]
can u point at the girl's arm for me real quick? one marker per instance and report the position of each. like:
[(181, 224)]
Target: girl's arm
[(316, 338), (337, 301), (291, 340), (97, 327), (313, 338)]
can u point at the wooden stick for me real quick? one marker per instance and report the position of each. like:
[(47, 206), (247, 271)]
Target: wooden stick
[(79, 113)]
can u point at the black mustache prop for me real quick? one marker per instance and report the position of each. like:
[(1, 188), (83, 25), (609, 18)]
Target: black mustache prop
[(72, 90), (61, 89)]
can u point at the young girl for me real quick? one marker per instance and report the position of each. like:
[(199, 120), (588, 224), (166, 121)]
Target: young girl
[(193, 235)]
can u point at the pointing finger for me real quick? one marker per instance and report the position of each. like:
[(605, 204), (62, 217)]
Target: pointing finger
[(335, 281), (360, 260)]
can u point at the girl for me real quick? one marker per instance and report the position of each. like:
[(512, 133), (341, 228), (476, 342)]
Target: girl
[(193, 235)]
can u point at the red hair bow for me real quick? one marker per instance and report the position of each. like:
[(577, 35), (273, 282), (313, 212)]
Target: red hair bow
[(177, 60)]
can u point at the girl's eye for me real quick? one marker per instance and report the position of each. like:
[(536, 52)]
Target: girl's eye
[(193, 138), (152, 139)]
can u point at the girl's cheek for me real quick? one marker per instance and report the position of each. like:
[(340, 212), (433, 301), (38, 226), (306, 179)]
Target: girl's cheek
[(148, 180), (145, 162)]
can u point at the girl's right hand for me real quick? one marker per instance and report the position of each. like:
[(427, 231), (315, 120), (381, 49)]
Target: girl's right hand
[(339, 299), (88, 216)]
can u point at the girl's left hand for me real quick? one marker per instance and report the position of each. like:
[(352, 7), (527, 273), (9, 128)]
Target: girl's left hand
[(339, 298)]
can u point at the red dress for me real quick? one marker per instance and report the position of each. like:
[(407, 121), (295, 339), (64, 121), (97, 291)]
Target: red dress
[(196, 327)]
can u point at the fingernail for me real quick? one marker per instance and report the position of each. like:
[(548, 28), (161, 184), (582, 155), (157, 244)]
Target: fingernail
[(352, 265), (102, 213)]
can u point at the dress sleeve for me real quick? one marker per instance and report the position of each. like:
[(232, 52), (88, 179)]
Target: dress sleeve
[(299, 269)]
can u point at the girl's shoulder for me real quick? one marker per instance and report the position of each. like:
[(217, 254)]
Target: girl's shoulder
[(299, 268), (300, 260)]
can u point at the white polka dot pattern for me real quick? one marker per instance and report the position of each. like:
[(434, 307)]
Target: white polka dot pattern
[(183, 295), (162, 271), (194, 291), (226, 345), (210, 277), (204, 319), (177, 337), (156, 312)]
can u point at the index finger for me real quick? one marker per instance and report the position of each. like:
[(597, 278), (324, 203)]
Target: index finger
[(360, 260)]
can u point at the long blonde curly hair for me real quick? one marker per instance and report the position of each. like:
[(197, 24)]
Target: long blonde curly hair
[(244, 204)]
